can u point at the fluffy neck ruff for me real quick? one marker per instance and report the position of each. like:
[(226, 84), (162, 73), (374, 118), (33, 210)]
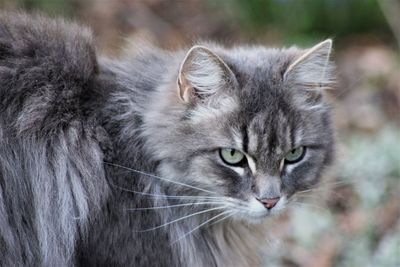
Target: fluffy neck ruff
[(227, 243)]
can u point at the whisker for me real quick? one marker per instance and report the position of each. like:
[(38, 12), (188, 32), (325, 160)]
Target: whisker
[(306, 191), (329, 185), (225, 217), (338, 183), (305, 205), (308, 198), (202, 224), (237, 205), (158, 177), (234, 203), (166, 196), (173, 206), (311, 193), (181, 218)]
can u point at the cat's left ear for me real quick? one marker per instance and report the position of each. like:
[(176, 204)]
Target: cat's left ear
[(203, 74), (313, 69)]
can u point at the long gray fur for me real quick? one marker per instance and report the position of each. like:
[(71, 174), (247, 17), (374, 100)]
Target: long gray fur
[(64, 113)]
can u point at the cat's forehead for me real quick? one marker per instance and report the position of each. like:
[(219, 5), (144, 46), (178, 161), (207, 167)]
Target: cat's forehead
[(268, 129), (259, 72), (259, 63)]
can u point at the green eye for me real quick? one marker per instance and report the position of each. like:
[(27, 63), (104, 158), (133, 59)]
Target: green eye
[(295, 155), (231, 156)]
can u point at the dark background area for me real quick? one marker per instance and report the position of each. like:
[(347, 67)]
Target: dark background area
[(353, 219)]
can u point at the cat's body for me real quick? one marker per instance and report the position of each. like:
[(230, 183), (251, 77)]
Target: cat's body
[(64, 114)]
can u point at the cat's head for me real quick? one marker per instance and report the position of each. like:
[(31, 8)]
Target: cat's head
[(248, 126)]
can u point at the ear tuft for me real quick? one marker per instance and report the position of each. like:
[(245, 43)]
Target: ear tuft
[(312, 70), (202, 74)]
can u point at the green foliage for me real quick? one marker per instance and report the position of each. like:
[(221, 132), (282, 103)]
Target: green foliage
[(302, 21), (64, 7)]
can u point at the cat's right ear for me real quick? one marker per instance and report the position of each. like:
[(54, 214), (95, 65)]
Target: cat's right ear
[(202, 74)]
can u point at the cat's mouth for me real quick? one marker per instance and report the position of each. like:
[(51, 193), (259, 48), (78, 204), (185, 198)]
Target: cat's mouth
[(256, 211)]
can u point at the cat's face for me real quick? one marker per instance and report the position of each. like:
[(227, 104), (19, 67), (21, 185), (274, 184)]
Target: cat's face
[(250, 127)]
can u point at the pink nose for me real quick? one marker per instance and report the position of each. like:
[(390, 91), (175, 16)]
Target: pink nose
[(269, 203)]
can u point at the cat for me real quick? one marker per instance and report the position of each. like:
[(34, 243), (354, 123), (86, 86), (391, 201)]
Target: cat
[(157, 158)]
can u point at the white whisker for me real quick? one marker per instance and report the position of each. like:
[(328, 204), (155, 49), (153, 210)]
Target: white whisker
[(308, 205), (167, 196), (158, 177), (202, 224), (173, 206), (234, 203), (306, 191), (225, 217), (181, 218)]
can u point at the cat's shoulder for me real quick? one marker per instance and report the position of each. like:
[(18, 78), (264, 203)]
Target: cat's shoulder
[(47, 67)]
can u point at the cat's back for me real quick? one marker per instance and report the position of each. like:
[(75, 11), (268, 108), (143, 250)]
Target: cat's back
[(45, 68), (51, 171)]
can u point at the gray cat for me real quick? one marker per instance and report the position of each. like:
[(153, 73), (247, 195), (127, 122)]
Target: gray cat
[(157, 159)]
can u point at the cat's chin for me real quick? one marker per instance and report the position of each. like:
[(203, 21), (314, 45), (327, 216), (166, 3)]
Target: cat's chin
[(254, 218), (257, 217)]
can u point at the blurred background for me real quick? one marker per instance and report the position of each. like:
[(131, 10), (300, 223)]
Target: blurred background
[(354, 218)]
